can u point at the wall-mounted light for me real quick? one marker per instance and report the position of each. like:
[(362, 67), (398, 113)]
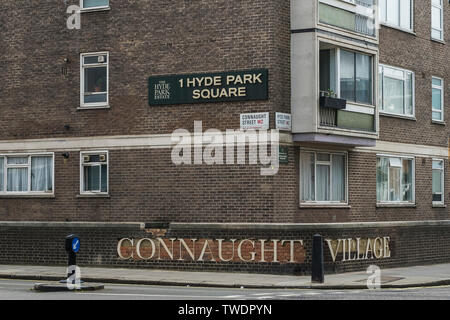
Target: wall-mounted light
[(66, 155)]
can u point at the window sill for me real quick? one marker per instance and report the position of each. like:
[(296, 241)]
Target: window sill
[(324, 206), (94, 195), (93, 107), (393, 115), (411, 32), (396, 205), (439, 205), (442, 123), (95, 9), (27, 196), (438, 41)]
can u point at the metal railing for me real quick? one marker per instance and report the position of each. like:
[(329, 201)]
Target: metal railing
[(365, 3), (364, 25), (328, 117)]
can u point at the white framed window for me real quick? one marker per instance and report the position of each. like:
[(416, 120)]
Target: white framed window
[(437, 99), (396, 91), (397, 13), (94, 172), (348, 73), (323, 177), (395, 179), (27, 174), (92, 5), (437, 20), (438, 181), (94, 82)]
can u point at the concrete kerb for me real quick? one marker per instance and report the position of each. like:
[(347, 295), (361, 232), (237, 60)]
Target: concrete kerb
[(62, 287), (231, 285)]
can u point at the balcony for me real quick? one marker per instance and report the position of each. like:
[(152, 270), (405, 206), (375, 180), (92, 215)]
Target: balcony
[(361, 20)]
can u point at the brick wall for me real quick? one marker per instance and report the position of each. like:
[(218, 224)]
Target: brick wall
[(144, 39), (144, 185), (426, 58), (409, 245)]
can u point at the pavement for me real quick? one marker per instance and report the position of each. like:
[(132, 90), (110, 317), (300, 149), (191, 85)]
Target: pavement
[(416, 276)]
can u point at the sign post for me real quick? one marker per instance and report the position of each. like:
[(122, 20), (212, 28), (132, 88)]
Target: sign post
[(72, 245), (317, 274)]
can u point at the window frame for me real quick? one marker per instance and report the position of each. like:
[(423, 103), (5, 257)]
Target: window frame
[(337, 78), (442, 181), (29, 192), (441, 88), (82, 165), (316, 162), (413, 178), (98, 8), (391, 25), (83, 67), (441, 17), (381, 91)]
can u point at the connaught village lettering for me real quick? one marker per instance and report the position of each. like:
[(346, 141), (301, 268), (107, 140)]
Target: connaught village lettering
[(248, 250)]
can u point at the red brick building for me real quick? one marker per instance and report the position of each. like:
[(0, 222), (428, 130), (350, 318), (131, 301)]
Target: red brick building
[(83, 150)]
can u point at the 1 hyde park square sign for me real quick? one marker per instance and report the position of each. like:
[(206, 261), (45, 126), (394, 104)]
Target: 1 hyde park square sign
[(209, 87)]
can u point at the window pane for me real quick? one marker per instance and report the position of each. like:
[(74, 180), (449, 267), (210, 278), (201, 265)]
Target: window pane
[(17, 179), (95, 98), (323, 157), (395, 162), (436, 18), (380, 87), (363, 78), (95, 79), (437, 82), (437, 198), (393, 95), (104, 182), (393, 73), (92, 178), (436, 34), (437, 99), (407, 183), (338, 178), (409, 94), (382, 9), (405, 14), (307, 176), (2, 178), (437, 181), (95, 59), (328, 70), (347, 76), (41, 174), (438, 165), (323, 183), (17, 160), (437, 116), (95, 3), (394, 184), (382, 179), (393, 12)]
